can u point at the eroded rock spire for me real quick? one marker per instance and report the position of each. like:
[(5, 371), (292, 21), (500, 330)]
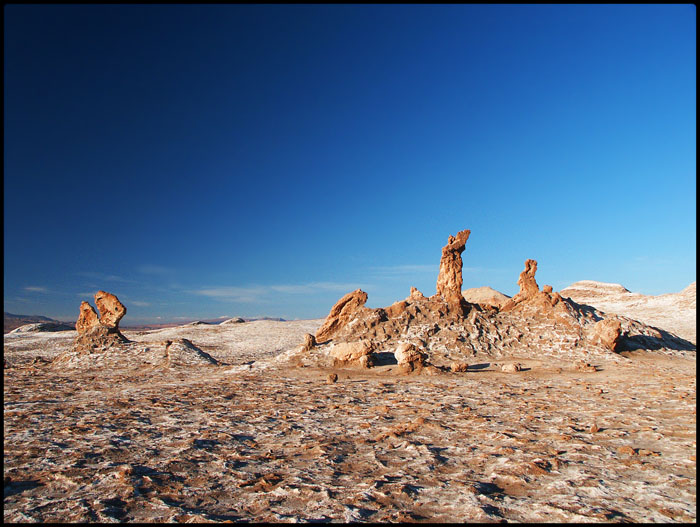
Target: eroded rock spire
[(102, 332), (449, 282)]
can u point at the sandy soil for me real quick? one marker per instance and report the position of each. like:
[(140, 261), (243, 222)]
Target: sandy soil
[(257, 439)]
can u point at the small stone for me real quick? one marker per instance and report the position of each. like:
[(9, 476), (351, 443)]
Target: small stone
[(594, 428), (511, 367), (332, 377), (459, 366), (626, 450)]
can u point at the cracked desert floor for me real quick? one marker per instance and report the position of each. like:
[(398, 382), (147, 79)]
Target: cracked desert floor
[(255, 439)]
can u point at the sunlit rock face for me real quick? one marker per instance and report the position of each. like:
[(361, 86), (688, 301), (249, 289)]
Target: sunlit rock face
[(445, 328), (99, 332)]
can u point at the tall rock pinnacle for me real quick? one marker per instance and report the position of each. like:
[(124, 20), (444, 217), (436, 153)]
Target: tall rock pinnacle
[(449, 282)]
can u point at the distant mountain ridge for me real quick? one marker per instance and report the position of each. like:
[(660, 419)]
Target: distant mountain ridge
[(12, 321), (194, 321)]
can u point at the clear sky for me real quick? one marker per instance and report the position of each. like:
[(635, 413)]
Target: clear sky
[(233, 160)]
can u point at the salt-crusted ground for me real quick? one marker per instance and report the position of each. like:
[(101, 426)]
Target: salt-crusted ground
[(256, 439)]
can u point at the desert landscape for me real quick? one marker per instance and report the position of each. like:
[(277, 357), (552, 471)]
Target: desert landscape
[(462, 406)]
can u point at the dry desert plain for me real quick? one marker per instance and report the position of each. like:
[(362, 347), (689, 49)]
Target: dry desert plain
[(241, 422), (256, 440)]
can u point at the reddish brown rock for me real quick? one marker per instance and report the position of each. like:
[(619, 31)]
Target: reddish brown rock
[(585, 367), (607, 333), (528, 286), (309, 342), (415, 294), (352, 353), (111, 309), (341, 313), (87, 318), (511, 367), (407, 353), (449, 282), (459, 367), (396, 309), (102, 333)]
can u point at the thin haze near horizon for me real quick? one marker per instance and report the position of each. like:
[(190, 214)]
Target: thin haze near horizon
[(264, 160)]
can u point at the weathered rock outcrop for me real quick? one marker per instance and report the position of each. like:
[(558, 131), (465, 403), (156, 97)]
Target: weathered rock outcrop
[(103, 332), (528, 286), (341, 313), (408, 353), (608, 333), (111, 309), (309, 342), (449, 282), (672, 312), (352, 353), (443, 332), (87, 319)]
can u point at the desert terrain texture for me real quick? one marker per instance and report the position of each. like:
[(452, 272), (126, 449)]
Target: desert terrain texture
[(504, 410)]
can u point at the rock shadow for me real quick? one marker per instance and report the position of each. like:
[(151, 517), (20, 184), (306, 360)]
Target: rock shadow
[(645, 342), (384, 358)]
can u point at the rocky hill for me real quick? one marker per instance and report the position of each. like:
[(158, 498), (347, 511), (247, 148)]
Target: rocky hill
[(674, 312), (12, 321)]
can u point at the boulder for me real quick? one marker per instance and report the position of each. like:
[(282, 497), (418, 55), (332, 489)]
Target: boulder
[(511, 367), (341, 313), (309, 342), (459, 367), (352, 353), (607, 333), (407, 353)]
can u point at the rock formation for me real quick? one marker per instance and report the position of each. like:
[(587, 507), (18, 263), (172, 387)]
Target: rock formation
[(407, 354), (111, 309), (309, 342), (341, 313), (528, 286), (441, 332), (672, 312), (608, 333), (103, 332), (449, 281), (352, 353), (87, 319)]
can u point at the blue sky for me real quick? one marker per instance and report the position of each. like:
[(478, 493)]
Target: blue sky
[(221, 160)]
